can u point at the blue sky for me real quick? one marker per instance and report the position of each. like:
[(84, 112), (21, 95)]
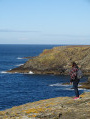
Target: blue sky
[(45, 22)]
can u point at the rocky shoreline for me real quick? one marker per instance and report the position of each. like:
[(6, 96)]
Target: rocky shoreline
[(57, 61), (55, 108)]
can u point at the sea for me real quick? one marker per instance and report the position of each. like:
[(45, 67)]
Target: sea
[(17, 88)]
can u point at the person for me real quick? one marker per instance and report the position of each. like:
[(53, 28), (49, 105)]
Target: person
[(74, 79)]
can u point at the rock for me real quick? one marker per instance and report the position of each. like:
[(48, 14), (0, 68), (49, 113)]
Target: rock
[(58, 61), (54, 108), (67, 83), (85, 85)]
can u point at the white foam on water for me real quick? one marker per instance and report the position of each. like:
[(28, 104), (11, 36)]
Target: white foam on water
[(19, 58), (19, 65), (3, 72), (16, 72), (71, 88), (87, 90), (67, 87), (30, 72), (57, 84)]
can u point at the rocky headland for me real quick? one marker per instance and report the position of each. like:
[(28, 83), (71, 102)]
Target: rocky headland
[(57, 61), (54, 108)]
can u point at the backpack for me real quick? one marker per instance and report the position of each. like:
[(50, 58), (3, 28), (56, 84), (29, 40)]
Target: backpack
[(79, 74)]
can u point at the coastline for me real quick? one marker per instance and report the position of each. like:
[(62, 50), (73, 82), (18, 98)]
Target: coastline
[(54, 107), (57, 61)]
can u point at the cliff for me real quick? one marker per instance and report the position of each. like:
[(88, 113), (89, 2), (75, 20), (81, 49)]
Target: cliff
[(55, 108), (57, 61)]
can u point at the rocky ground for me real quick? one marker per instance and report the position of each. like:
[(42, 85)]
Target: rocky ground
[(55, 108)]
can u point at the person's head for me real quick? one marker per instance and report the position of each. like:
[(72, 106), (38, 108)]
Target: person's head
[(74, 64)]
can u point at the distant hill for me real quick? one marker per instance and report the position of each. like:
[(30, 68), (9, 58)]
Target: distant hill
[(58, 61)]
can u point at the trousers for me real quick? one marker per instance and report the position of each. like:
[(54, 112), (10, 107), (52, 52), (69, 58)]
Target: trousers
[(75, 86)]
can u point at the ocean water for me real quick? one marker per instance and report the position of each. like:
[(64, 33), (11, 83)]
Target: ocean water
[(17, 89)]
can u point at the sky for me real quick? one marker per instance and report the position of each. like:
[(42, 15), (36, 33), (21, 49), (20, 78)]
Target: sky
[(45, 22)]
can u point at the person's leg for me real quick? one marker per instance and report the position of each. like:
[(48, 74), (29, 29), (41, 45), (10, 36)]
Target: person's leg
[(75, 86)]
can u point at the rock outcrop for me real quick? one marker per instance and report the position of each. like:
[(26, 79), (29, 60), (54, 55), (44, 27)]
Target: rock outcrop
[(55, 108), (85, 85), (57, 61)]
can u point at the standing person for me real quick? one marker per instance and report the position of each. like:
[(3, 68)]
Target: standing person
[(74, 79)]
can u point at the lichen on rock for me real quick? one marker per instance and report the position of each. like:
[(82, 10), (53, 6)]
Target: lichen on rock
[(54, 108)]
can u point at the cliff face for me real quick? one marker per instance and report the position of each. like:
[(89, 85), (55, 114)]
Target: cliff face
[(58, 61)]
